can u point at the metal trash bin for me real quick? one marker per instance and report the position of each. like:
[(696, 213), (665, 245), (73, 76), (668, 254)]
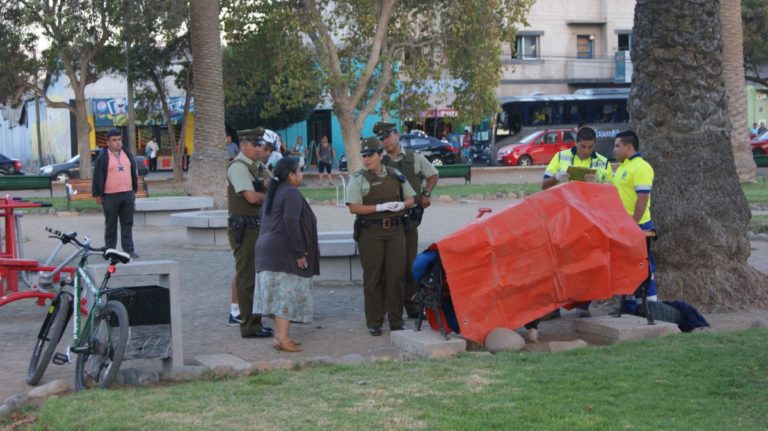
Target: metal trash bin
[(149, 320)]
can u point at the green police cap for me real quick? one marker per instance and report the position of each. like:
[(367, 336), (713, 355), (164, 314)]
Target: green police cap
[(382, 130), (370, 145)]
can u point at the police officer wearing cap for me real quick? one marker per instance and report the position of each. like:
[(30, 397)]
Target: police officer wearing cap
[(379, 195), (422, 177), (247, 178)]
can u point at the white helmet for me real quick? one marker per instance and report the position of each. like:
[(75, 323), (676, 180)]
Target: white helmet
[(271, 137)]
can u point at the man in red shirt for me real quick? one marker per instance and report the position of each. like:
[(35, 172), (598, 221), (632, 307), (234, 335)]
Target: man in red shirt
[(115, 182)]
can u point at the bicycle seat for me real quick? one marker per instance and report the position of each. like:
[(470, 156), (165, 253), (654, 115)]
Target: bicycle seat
[(117, 256)]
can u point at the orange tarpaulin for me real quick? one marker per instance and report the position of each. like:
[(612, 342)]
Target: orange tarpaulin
[(570, 243)]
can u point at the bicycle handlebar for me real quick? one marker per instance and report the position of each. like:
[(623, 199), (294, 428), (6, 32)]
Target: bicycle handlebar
[(66, 238)]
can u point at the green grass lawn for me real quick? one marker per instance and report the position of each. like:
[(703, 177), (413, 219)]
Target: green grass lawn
[(756, 193), (702, 381)]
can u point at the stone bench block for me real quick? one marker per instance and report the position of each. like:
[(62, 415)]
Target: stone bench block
[(174, 203), (200, 219), (322, 236), (611, 330), (158, 211), (337, 247), (427, 343)]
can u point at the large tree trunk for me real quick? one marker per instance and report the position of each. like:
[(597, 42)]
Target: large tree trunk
[(679, 108), (83, 130), (351, 135), (207, 171), (735, 85)]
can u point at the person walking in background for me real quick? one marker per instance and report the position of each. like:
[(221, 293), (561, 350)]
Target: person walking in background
[(325, 157), (378, 195), (287, 254), (466, 141), (245, 194), (422, 177), (300, 152), (150, 150), (232, 148), (114, 186)]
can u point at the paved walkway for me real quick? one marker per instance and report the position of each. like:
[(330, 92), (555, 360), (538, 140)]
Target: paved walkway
[(338, 329)]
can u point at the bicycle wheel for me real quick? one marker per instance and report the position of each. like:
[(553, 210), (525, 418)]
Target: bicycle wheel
[(48, 338), (104, 339)]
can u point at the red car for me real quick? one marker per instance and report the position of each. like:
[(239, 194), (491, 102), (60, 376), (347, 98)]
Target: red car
[(538, 148), (760, 144)]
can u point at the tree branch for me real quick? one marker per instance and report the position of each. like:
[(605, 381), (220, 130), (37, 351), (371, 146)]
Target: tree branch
[(375, 55), (386, 77), (326, 39), (86, 58), (57, 105)]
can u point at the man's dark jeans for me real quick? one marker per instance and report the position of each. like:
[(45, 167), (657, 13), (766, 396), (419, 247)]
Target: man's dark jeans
[(119, 206)]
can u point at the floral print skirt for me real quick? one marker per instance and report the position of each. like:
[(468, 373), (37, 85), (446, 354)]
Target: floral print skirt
[(283, 295)]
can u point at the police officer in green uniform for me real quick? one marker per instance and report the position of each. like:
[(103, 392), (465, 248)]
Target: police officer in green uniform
[(379, 195), (422, 177), (247, 178)]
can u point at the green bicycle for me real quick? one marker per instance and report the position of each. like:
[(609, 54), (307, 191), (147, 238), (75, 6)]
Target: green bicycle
[(101, 340)]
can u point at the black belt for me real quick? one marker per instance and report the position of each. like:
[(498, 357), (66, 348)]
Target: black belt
[(251, 222), (386, 223)]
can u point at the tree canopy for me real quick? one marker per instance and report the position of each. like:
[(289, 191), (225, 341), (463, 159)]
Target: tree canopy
[(390, 53), (269, 78), (41, 39)]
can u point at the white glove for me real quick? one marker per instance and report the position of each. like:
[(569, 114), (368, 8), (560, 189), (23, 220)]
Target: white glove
[(396, 206), (382, 207), (562, 177)]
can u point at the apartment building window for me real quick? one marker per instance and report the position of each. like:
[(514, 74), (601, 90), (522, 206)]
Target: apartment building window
[(584, 45), (625, 41), (526, 48)]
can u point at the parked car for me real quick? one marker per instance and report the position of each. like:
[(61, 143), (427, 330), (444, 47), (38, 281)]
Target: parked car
[(760, 144), (436, 151), (9, 166), (537, 148), (71, 168)]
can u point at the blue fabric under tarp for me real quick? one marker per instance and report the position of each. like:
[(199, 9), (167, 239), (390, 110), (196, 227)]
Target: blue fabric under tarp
[(691, 318), (421, 266)]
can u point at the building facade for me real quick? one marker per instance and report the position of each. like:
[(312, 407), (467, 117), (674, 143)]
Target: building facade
[(570, 45)]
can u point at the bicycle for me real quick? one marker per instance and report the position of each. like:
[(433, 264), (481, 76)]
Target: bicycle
[(100, 341)]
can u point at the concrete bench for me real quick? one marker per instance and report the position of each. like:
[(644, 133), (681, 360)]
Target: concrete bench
[(339, 256), (157, 211), (153, 338), (203, 227)]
